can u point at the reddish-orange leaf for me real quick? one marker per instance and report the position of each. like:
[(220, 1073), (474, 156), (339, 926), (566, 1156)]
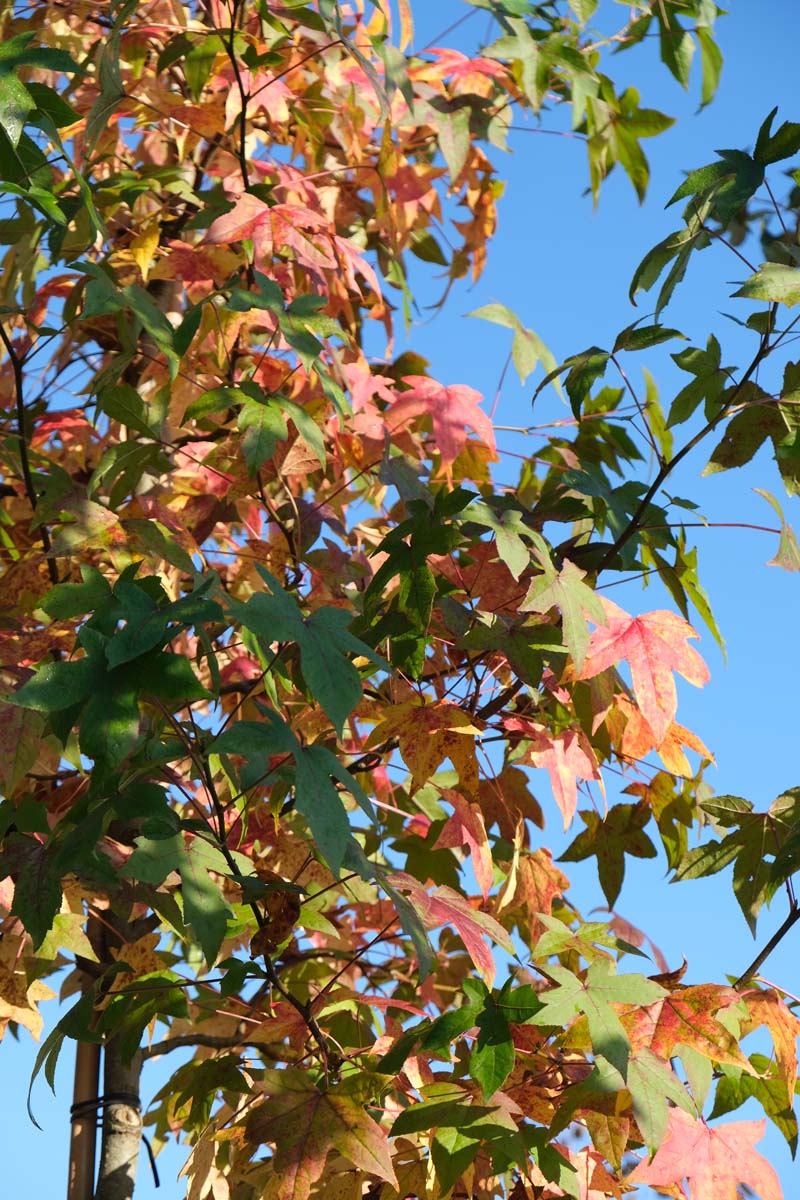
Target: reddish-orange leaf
[(451, 410), (714, 1161), (654, 645), (466, 828), (566, 756), (687, 1016), (443, 906), (305, 1124)]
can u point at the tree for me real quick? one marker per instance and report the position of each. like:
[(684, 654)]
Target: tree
[(279, 654)]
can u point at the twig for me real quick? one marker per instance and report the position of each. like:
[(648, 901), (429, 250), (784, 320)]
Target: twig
[(763, 955), (30, 490)]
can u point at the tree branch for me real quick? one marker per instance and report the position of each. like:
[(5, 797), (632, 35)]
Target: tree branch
[(30, 490), (763, 955)]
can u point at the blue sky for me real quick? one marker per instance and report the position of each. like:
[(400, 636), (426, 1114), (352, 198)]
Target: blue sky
[(564, 269)]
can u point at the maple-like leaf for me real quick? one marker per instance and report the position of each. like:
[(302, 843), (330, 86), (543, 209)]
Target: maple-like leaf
[(566, 756), (305, 1123), (768, 1008), (654, 646), (428, 734), (466, 828), (638, 740), (575, 600), (443, 906), (687, 1017), (713, 1161), (451, 409), (610, 838)]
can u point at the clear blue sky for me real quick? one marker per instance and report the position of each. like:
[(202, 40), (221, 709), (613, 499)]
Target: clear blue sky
[(564, 269)]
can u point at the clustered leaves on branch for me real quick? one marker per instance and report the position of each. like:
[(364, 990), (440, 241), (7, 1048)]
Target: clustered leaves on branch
[(282, 661)]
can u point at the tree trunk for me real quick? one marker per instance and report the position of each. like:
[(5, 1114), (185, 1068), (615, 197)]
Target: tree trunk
[(122, 1125)]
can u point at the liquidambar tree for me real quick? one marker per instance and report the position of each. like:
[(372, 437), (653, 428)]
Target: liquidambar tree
[(282, 659)]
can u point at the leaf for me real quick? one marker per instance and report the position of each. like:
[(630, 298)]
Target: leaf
[(788, 555), (204, 908), (594, 996), (576, 601), (443, 906), (37, 883), (527, 348), (715, 1161), (492, 1057), (566, 756), (16, 103), (323, 638), (305, 1123), (610, 838), (451, 409), (774, 282), (654, 646), (427, 735), (772, 147), (466, 828)]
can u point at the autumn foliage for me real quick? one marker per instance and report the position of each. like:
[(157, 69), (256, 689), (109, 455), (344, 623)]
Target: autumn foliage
[(292, 688)]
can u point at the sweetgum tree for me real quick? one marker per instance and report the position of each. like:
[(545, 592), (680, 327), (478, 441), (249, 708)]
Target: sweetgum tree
[(280, 658)]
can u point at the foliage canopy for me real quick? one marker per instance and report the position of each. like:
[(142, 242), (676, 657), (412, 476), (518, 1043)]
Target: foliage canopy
[(282, 663)]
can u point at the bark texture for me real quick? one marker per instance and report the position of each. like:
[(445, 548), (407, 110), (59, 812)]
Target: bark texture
[(122, 1126)]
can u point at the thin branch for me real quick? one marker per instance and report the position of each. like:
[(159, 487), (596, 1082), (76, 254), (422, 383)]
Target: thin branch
[(668, 467), (212, 1042), (16, 366), (763, 955)]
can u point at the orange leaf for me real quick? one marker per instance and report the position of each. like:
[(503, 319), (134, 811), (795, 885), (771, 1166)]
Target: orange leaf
[(767, 1008), (428, 734), (714, 1161), (654, 646)]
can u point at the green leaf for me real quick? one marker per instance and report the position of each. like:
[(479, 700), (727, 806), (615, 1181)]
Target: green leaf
[(609, 839), (492, 1057), (788, 555), (637, 337), (594, 996), (653, 1087), (324, 641), (67, 600), (728, 184), (711, 65), (204, 908), (772, 147), (527, 348), (58, 685), (262, 425), (37, 883), (774, 282), (16, 102), (575, 600)]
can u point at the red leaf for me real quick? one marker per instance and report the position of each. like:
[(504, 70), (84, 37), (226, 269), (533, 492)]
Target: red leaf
[(714, 1161), (443, 906), (451, 409), (655, 646), (566, 756), (466, 828)]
